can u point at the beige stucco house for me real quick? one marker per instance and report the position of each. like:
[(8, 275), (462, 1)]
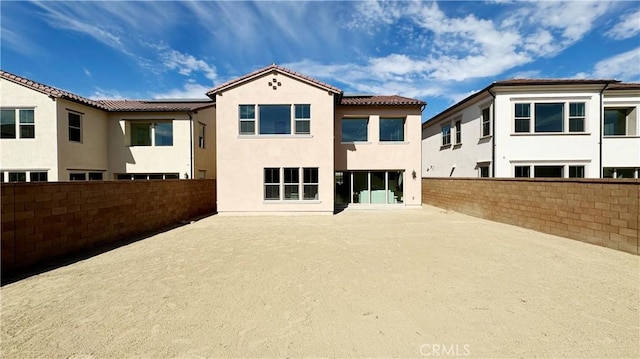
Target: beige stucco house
[(53, 135), (289, 143)]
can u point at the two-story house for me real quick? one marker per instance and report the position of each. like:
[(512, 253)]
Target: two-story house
[(537, 128), (289, 143), (50, 134)]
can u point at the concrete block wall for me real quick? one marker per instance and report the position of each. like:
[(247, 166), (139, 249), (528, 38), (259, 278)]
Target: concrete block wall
[(598, 211), (43, 221)]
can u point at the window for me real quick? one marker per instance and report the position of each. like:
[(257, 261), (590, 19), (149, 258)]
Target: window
[(355, 129), (78, 176), (446, 135), (247, 119), (272, 183), (576, 117), (26, 123), (576, 171), (275, 119), (484, 171), (522, 171), (95, 176), (549, 117), (202, 174), (392, 129), (612, 172), (310, 180), (151, 133), (146, 176), (458, 125), (17, 177), (548, 171), (303, 119), (8, 123), (523, 117), (486, 122), (291, 183), (38, 176), (202, 129), (75, 127), (620, 121)]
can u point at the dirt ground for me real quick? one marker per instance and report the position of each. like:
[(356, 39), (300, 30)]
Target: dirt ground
[(396, 283)]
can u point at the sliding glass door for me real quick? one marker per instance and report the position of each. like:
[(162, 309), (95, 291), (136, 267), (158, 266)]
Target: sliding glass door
[(369, 187)]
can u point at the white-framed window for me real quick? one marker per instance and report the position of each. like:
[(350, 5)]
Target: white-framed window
[(75, 126), (303, 119), (145, 176), (550, 170), (17, 176), (486, 122), (290, 183), (522, 171), (35, 175), (621, 172), (620, 121), (354, 129), (550, 117), (392, 129), (458, 126), (38, 176), (576, 171), (484, 169), (150, 133), (24, 127), (446, 135), (202, 130), (247, 115)]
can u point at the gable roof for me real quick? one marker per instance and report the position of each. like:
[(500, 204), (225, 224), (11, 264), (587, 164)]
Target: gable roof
[(272, 68), (156, 105), (519, 82), (379, 100), (50, 91)]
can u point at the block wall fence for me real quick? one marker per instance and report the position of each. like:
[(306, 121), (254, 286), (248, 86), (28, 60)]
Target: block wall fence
[(44, 221), (598, 211)]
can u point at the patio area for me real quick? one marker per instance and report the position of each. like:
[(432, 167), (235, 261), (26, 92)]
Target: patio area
[(376, 283)]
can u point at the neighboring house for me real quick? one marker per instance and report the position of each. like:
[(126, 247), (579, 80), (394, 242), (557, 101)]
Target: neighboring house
[(537, 128), (53, 135), (289, 143)]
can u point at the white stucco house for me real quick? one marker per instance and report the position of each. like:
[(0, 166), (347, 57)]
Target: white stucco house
[(289, 143), (53, 135), (537, 128)]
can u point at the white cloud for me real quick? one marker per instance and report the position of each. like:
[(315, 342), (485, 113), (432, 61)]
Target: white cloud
[(624, 67), (189, 90), (102, 94), (627, 27), (185, 64)]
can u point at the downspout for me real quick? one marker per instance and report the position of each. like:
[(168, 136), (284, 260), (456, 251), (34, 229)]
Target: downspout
[(190, 142), (493, 132), (601, 129)]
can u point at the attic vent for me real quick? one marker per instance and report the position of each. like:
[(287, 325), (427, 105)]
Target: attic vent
[(274, 84)]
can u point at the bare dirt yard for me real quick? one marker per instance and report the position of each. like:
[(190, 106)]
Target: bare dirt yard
[(392, 283)]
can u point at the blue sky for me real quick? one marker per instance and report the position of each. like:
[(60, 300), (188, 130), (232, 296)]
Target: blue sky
[(436, 51)]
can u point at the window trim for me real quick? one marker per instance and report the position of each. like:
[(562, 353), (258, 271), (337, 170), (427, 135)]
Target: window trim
[(445, 136), (627, 129), (486, 122), (202, 135), (297, 119), (18, 124), (566, 104), (153, 123), (78, 128), (282, 184), (531, 165), (349, 118), (390, 118)]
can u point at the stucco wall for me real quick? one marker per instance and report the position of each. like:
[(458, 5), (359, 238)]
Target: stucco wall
[(205, 158), (241, 159), (39, 153), (377, 155), (622, 151)]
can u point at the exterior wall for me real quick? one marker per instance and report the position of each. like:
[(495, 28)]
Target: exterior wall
[(91, 153), (377, 155), (622, 151), (39, 153), (542, 148), (241, 159), (205, 158), (43, 221), (458, 160), (604, 212), (124, 158)]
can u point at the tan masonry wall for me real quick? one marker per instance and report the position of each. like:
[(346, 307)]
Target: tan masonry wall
[(598, 211), (43, 221)]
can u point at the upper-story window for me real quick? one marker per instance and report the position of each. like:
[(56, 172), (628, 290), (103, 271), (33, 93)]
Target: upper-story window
[(392, 129), (275, 119), (486, 122), (75, 126), (23, 128), (202, 129), (620, 121), (549, 117), (458, 126), (303, 119), (446, 135), (151, 133), (355, 129)]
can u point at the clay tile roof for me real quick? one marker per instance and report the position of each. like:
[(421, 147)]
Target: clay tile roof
[(372, 100), (48, 90), (272, 67), (525, 82), (155, 105)]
